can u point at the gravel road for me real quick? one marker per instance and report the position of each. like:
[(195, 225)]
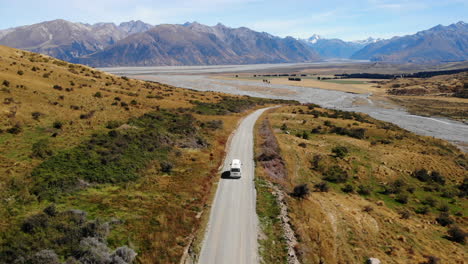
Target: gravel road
[(231, 235)]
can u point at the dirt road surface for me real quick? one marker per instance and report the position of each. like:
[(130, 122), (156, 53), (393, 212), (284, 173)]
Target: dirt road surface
[(231, 235)]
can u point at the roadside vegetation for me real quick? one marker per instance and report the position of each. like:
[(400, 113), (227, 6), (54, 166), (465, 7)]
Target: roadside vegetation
[(96, 168), (361, 188)]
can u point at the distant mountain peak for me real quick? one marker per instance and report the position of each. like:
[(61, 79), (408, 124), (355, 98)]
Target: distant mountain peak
[(314, 38)]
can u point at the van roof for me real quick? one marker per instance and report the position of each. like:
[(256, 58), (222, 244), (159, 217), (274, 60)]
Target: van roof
[(235, 163)]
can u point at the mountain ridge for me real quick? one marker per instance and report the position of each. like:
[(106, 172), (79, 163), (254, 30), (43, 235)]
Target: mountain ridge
[(437, 44)]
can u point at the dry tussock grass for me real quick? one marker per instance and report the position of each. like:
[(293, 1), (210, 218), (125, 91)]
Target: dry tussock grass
[(336, 227)]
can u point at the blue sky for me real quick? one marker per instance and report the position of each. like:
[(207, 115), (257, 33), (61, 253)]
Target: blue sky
[(349, 20)]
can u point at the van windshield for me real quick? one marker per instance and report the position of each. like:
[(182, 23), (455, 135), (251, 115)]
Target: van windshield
[(235, 170)]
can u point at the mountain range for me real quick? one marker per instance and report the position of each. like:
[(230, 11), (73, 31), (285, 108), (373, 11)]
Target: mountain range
[(197, 44), (136, 43), (67, 40), (337, 48), (438, 44)]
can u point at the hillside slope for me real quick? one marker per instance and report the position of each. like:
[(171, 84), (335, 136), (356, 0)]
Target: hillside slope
[(99, 167), (360, 188)]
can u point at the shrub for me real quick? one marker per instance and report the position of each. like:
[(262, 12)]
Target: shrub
[(57, 125), (422, 210), (20, 72), (368, 209), (429, 201), (444, 208), (41, 149), (457, 234), (113, 124), (364, 190), (394, 187), (437, 177), (88, 115), (336, 174), (50, 210), (305, 135), (98, 95), (6, 83), (321, 187), (444, 219), (133, 102), (214, 124), (284, 127), (348, 188), (405, 214), (424, 176), (15, 130), (449, 193), (34, 223), (300, 191), (57, 87), (340, 151), (402, 198), (36, 115), (166, 166), (431, 260), (302, 145), (44, 256)]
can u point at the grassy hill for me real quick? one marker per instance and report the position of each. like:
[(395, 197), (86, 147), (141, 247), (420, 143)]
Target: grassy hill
[(91, 162), (361, 188)]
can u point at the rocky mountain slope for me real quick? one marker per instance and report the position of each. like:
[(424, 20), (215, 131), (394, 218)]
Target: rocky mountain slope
[(67, 40), (438, 44), (337, 48), (196, 44)]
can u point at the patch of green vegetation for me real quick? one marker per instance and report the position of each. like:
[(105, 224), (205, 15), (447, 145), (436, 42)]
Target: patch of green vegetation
[(116, 156), (273, 248), (228, 105), (63, 234)]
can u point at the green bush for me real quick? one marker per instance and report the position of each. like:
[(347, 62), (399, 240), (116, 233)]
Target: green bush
[(364, 190), (98, 95), (41, 149), (57, 125), (457, 234), (336, 174), (321, 187), (113, 124), (402, 198), (300, 191), (15, 130), (340, 151), (444, 219), (348, 188)]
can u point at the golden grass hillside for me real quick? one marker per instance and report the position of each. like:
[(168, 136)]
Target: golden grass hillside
[(363, 188), (92, 160)]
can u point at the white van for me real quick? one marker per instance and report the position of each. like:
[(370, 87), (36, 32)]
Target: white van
[(236, 168)]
